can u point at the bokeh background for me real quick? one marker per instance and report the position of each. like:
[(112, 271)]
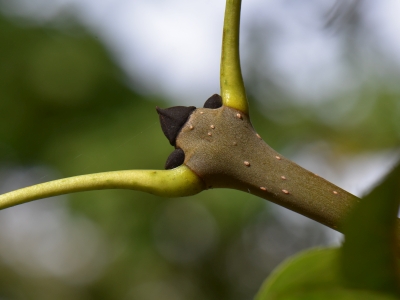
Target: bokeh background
[(79, 82)]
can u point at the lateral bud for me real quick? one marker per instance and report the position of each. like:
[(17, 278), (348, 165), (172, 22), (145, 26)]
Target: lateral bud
[(172, 119), (215, 101), (175, 159)]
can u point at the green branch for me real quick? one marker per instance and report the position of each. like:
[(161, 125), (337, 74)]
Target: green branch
[(178, 182), (232, 87)]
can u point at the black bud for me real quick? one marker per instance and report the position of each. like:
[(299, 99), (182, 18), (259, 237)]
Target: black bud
[(215, 101), (175, 159), (172, 120)]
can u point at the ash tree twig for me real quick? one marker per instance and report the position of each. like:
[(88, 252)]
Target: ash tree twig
[(216, 147)]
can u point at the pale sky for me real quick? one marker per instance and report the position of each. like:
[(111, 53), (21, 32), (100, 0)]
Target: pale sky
[(173, 46)]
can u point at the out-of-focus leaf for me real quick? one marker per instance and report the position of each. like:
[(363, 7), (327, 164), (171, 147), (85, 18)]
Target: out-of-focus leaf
[(334, 294), (314, 274), (303, 273), (368, 257)]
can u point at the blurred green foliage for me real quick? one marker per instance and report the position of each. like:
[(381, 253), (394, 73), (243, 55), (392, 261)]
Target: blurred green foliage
[(314, 275)]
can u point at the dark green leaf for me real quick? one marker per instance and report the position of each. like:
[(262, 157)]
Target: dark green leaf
[(368, 257)]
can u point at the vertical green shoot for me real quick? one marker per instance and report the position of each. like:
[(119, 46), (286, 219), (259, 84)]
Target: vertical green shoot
[(232, 87)]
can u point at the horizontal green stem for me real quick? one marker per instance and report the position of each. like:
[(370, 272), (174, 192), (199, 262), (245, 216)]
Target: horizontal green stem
[(178, 182)]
